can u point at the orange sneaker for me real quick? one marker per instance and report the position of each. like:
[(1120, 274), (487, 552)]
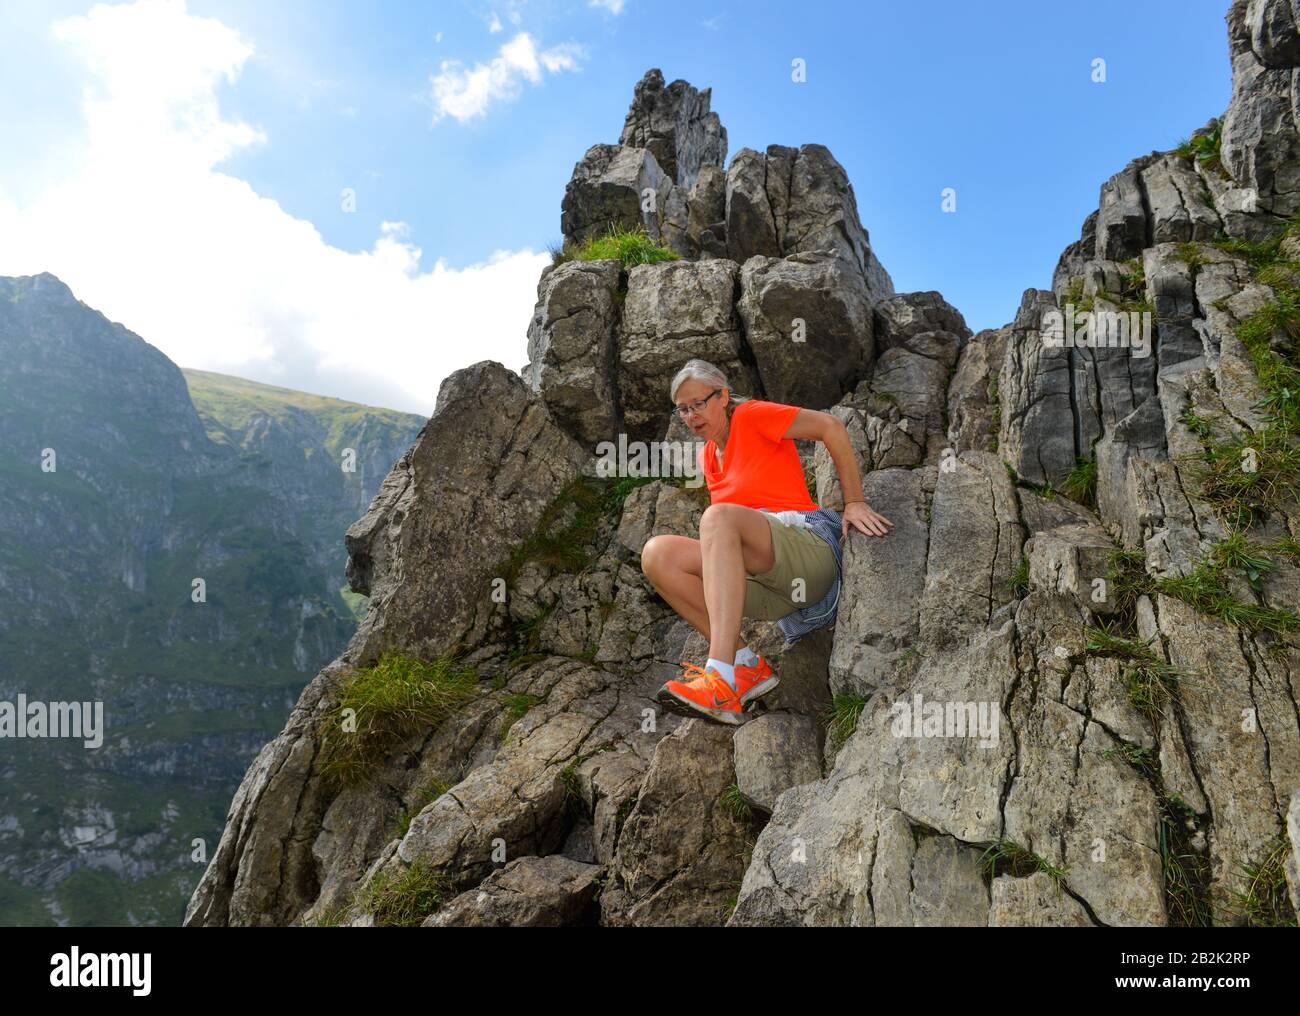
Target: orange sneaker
[(754, 682), (703, 691)]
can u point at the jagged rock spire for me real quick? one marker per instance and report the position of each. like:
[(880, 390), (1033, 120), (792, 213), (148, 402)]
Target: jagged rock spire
[(675, 124)]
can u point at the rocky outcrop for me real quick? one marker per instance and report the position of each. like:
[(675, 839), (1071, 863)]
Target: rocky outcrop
[(675, 310), (792, 200), (571, 346), (1046, 710), (1261, 143), (674, 124), (484, 468), (807, 320)]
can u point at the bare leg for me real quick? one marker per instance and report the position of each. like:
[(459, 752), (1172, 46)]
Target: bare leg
[(675, 567), (733, 540)]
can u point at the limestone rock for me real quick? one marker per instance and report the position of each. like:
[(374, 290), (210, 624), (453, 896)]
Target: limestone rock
[(433, 535), (904, 316), (531, 892), (678, 868), (808, 323), (774, 752), (571, 347), (673, 122), (608, 190), (675, 310), (787, 201)]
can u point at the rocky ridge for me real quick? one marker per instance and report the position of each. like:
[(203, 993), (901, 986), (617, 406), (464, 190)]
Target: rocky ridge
[(1128, 667)]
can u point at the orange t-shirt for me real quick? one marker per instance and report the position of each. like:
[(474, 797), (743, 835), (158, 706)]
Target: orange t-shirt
[(761, 469)]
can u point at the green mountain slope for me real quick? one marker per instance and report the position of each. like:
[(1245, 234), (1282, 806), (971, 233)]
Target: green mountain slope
[(120, 491)]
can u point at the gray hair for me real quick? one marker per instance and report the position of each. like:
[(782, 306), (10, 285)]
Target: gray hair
[(702, 370)]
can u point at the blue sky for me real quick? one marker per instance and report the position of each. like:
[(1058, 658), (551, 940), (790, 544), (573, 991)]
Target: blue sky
[(180, 165)]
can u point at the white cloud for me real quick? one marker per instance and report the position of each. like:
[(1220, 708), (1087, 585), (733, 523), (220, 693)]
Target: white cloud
[(466, 94), (494, 25), (145, 229), (613, 6)]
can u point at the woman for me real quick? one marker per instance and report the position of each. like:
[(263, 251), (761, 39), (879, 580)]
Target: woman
[(766, 550)]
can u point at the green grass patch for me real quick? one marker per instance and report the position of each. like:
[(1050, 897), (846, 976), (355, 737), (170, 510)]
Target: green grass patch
[(1204, 589), (630, 246), (405, 900), (842, 717), (563, 536), (1206, 149), (1006, 857), (1186, 873), (1263, 900), (1138, 757), (1239, 553), (1150, 681), (1132, 295), (1018, 583), (1080, 484), (516, 708), (736, 804), (1246, 476), (1189, 252), (575, 805), (378, 707)]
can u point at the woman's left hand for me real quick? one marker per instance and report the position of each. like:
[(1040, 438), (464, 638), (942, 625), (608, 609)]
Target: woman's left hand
[(861, 516)]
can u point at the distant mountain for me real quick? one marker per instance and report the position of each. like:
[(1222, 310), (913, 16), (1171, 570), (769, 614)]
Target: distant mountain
[(171, 544)]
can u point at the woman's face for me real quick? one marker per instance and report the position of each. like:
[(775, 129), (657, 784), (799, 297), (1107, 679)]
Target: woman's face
[(710, 421)]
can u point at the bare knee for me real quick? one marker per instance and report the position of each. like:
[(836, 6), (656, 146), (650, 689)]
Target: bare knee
[(654, 555), (718, 518)]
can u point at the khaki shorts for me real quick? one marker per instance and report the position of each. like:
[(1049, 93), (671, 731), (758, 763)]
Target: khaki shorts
[(800, 554)]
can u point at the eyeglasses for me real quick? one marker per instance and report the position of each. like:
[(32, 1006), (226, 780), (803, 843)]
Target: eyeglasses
[(697, 406)]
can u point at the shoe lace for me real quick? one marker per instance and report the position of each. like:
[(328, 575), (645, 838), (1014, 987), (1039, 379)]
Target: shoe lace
[(692, 672), (695, 673)]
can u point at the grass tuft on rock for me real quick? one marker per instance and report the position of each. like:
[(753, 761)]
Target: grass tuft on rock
[(630, 246), (842, 717), (1186, 873), (1018, 583), (1080, 485), (1263, 900), (516, 708), (735, 803), (1010, 858), (1151, 682), (406, 899), (1205, 148), (380, 706)]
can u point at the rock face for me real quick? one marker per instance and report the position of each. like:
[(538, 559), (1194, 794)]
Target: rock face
[(1038, 717), (674, 124), (790, 200), (571, 346), (808, 307)]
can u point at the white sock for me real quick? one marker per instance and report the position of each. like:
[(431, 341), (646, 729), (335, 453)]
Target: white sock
[(746, 657), (727, 670)]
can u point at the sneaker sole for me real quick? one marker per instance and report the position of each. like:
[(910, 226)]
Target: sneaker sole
[(760, 689), (685, 707)]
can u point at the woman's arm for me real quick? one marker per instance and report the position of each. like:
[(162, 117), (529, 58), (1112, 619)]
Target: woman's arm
[(814, 425)]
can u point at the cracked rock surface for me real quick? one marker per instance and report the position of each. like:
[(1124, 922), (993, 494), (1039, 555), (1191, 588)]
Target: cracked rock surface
[(994, 761)]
